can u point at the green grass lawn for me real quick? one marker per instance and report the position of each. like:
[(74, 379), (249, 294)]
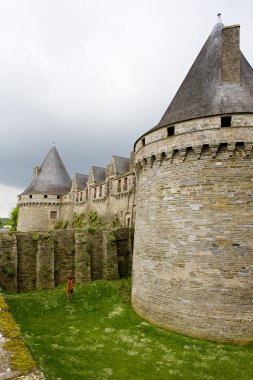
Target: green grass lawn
[(97, 336)]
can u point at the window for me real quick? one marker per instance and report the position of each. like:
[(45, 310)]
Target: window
[(125, 184), (143, 141), (171, 131), (119, 186), (226, 121), (95, 192), (53, 215), (100, 191), (58, 196), (30, 196), (45, 196), (81, 196)]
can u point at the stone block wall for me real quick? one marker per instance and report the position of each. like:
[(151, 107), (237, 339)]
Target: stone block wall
[(193, 254), (64, 251), (8, 262), (45, 264), (42, 260), (27, 247)]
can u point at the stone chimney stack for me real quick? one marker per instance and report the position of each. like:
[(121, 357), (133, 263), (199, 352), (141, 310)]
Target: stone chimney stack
[(36, 172), (230, 64)]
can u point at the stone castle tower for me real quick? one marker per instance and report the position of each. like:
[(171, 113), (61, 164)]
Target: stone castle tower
[(193, 252), (40, 204)]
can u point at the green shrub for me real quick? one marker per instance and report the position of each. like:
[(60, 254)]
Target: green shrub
[(61, 225), (14, 218), (35, 236), (91, 229), (111, 238), (77, 220)]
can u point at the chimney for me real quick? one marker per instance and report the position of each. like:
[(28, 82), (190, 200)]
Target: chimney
[(230, 56), (36, 171)]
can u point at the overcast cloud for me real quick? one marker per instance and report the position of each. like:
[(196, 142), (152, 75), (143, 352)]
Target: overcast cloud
[(93, 75)]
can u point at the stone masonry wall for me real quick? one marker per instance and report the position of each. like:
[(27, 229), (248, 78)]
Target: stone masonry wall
[(42, 260), (8, 261), (193, 255)]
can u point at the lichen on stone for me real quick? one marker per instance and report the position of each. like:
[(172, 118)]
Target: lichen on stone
[(8, 325), (21, 359)]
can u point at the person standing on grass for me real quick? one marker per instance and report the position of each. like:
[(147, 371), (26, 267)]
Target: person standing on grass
[(70, 286)]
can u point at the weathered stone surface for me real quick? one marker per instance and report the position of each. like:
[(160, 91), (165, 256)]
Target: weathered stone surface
[(34, 260), (192, 267)]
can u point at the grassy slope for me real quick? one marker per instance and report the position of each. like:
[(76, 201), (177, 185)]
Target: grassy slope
[(97, 335)]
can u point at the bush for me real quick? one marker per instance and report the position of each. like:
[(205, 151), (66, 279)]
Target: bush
[(61, 225)]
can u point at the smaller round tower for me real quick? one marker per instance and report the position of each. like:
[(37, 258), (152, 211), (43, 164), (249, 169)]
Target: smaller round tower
[(40, 203)]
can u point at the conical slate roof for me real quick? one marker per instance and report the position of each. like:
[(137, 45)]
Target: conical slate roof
[(202, 92), (53, 177)]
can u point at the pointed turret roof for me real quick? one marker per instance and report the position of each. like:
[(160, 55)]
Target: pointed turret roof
[(52, 178), (203, 93)]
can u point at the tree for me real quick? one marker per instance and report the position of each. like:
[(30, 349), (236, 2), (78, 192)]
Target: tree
[(14, 218), (1, 223)]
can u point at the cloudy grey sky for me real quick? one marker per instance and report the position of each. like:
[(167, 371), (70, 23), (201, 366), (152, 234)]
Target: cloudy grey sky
[(93, 75)]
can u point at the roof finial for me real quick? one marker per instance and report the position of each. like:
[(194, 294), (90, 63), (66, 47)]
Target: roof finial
[(53, 143), (219, 18)]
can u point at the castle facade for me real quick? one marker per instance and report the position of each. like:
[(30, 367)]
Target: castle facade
[(53, 197)]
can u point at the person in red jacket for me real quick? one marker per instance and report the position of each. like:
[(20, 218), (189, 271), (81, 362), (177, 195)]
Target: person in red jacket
[(70, 286)]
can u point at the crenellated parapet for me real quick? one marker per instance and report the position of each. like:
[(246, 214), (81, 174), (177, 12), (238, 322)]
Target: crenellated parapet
[(193, 140), (204, 151)]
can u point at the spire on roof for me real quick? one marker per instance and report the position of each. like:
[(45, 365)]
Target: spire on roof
[(219, 18)]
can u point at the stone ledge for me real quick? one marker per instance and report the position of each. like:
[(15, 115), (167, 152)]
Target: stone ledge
[(15, 359)]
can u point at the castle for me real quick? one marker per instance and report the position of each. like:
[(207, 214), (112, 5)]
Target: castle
[(193, 248), (53, 196)]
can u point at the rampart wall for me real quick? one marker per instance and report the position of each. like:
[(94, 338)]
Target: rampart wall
[(42, 260)]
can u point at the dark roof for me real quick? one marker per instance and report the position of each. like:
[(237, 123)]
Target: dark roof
[(98, 173), (203, 94), (81, 180), (122, 164), (53, 177)]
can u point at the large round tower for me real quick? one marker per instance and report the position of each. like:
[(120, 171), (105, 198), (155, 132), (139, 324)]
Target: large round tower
[(193, 252), (40, 203)]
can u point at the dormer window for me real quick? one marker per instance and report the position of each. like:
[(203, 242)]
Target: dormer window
[(226, 121), (171, 131)]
